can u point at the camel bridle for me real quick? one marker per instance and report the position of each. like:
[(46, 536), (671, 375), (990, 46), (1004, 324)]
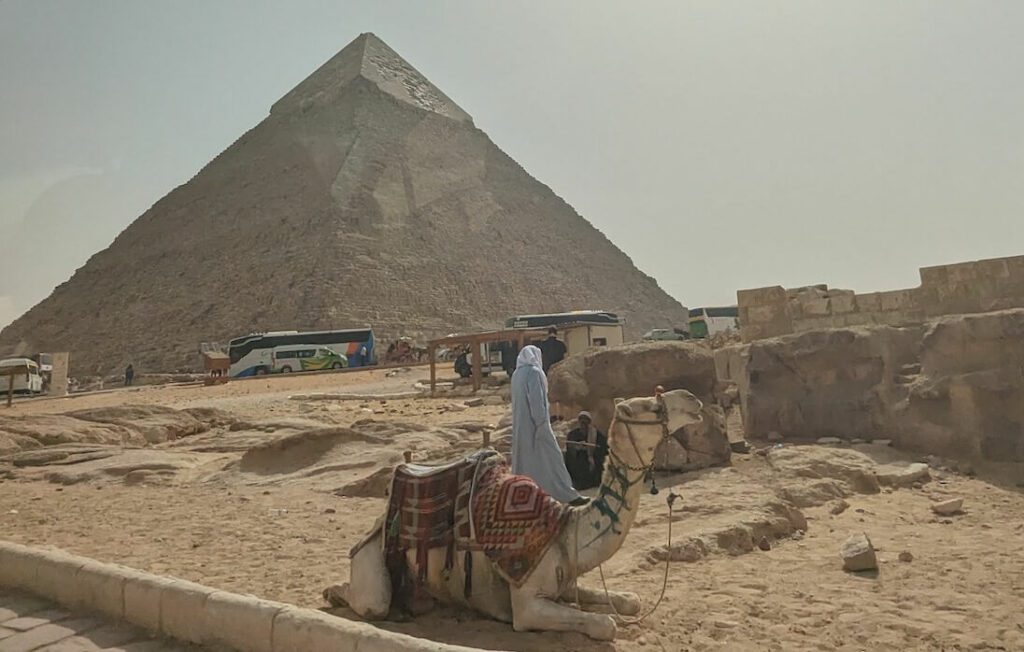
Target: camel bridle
[(627, 421)]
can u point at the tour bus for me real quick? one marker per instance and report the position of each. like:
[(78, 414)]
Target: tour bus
[(579, 330), (32, 383), (705, 322), (253, 355)]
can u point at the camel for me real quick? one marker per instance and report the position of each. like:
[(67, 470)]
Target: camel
[(591, 535)]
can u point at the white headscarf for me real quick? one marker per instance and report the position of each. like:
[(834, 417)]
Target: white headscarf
[(530, 356)]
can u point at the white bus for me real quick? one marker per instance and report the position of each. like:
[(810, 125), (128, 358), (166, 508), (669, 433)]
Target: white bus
[(253, 355), (31, 383)]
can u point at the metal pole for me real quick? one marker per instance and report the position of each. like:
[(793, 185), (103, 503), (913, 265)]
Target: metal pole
[(10, 389)]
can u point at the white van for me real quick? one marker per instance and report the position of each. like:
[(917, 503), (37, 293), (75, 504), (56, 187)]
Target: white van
[(286, 359), (30, 384)]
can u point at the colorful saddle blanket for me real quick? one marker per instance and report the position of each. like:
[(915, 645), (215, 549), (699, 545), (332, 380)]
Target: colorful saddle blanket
[(472, 505), (513, 521)]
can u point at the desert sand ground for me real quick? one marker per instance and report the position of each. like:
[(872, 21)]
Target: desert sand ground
[(223, 509)]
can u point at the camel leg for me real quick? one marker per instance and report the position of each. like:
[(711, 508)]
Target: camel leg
[(530, 612), (368, 591), (625, 602)]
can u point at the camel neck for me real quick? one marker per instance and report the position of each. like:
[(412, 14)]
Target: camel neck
[(598, 530)]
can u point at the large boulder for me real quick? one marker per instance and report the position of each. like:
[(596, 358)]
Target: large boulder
[(592, 381), (840, 383), (968, 399)]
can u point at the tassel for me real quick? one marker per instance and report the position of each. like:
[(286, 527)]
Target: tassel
[(654, 484), (467, 565)]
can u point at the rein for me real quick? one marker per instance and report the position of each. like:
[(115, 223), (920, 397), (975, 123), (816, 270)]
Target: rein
[(648, 470)]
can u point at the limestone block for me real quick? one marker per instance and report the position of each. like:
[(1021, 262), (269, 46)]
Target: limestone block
[(18, 566), (100, 587), (241, 622), (183, 611), (761, 296), (142, 593), (816, 307), (310, 631), (844, 303), (869, 302), (55, 578)]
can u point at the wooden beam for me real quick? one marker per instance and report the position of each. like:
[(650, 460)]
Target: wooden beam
[(432, 352), (10, 389)]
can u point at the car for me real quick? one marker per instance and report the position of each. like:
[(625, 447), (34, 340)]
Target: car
[(665, 334)]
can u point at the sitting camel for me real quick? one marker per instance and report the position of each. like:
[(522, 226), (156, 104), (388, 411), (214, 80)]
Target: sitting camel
[(591, 534)]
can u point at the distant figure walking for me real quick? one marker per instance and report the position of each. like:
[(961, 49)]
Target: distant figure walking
[(552, 350), (129, 375), (535, 451)]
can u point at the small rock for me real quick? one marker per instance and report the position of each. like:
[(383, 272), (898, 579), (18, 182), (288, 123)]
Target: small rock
[(857, 441), (330, 510), (894, 475), (764, 544), (474, 402), (774, 436), (948, 507), (798, 535), (917, 485), (740, 446), (830, 441), (906, 557), (838, 506), (858, 554), (882, 442)]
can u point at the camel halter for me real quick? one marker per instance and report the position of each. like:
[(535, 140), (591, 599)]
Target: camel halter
[(648, 471), (662, 420)]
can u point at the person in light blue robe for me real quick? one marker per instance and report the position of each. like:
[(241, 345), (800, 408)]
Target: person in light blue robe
[(535, 452)]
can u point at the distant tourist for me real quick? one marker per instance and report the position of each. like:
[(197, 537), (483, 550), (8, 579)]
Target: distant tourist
[(585, 450), (535, 451), (552, 349), (129, 375)]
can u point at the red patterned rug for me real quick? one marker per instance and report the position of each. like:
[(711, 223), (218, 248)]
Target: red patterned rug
[(513, 521)]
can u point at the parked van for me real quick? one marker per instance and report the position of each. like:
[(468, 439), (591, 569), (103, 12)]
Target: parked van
[(286, 359), (32, 383)]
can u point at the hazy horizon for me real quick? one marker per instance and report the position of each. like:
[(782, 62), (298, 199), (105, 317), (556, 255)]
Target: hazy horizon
[(721, 146)]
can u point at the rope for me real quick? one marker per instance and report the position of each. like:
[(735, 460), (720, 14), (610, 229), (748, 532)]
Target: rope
[(670, 501)]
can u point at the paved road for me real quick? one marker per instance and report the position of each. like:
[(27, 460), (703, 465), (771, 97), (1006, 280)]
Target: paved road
[(28, 624)]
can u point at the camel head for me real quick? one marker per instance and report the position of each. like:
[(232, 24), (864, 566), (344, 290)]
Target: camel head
[(649, 419)]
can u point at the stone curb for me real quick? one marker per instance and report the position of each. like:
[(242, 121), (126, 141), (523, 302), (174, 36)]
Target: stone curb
[(193, 612)]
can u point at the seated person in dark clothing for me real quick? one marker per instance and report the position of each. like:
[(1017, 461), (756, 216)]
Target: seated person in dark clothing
[(552, 350), (585, 450)]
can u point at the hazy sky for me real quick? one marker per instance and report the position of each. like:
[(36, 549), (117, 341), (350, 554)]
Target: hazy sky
[(722, 145)]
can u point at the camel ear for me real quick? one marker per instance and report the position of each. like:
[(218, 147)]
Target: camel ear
[(624, 408), (619, 400)]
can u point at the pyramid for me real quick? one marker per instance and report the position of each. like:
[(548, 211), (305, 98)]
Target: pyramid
[(366, 197)]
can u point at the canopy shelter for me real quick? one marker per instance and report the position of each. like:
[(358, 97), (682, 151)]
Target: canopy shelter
[(474, 341)]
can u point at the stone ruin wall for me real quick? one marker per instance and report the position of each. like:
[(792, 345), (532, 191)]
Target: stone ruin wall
[(961, 288)]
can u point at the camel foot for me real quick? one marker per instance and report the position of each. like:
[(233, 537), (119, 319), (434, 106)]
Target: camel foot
[(627, 604), (601, 628), (421, 604), (336, 595)]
